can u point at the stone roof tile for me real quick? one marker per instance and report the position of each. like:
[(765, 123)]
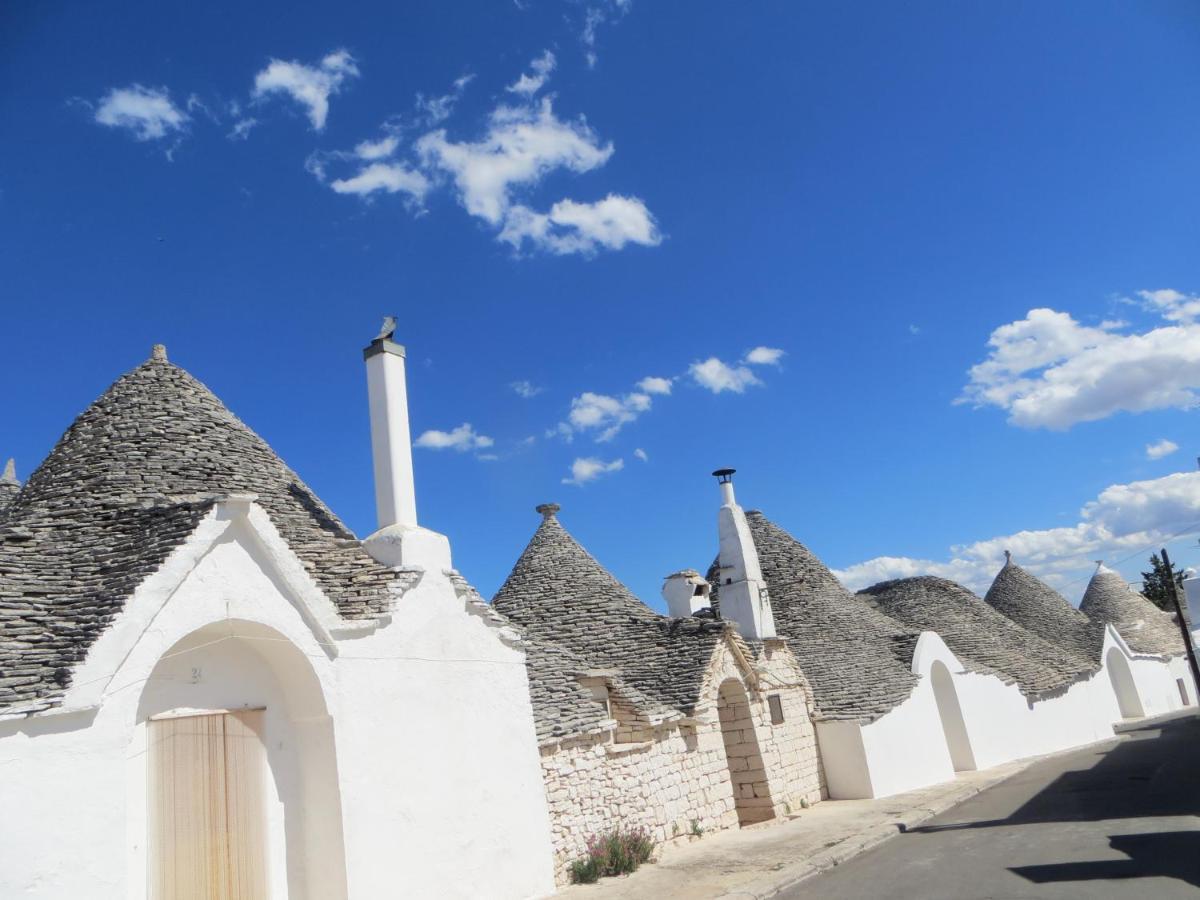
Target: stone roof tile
[(1145, 627), (1035, 606), (124, 486), (982, 638)]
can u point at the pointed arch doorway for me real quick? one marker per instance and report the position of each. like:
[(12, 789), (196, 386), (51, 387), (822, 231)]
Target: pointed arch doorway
[(954, 726), (751, 792)]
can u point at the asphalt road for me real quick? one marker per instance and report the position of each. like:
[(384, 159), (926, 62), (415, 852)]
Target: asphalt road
[(1120, 819)]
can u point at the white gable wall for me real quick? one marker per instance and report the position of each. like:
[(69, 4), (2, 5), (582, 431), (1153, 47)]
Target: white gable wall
[(431, 734)]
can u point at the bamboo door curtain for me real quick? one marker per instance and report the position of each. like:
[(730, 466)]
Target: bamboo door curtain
[(207, 837)]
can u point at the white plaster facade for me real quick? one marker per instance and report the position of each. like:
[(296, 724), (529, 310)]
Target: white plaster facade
[(379, 781)]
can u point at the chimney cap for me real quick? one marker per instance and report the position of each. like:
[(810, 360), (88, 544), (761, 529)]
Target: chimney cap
[(548, 510), (724, 475), (383, 342)]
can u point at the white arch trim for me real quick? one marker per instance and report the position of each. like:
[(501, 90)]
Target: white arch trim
[(235, 517)]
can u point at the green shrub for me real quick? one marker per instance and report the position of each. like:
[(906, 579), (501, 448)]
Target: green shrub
[(617, 852)]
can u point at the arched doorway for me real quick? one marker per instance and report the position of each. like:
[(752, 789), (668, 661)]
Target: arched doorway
[(1123, 685), (751, 793), (237, 770), (954, 727)]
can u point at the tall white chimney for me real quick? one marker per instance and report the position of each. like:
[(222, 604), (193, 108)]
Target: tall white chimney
[(391, 443), (742, 591), (400, 541)]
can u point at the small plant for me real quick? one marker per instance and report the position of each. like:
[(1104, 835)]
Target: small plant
[(697, 831), (617, 852), (674, 829), (804, 804), (787, 809)]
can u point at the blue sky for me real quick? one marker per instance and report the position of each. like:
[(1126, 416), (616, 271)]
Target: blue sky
[(810, 219)]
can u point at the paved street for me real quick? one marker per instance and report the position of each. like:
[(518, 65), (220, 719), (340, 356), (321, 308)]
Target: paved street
[(1120, 819)]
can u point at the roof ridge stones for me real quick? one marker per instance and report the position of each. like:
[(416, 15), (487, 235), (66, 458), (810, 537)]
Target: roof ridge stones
[(857, 660), (562, 598), (1145, 627), (978, 634), (1027, 600), (123, 487)]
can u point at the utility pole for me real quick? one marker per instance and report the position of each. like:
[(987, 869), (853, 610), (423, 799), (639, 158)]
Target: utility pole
[(1183, 628)]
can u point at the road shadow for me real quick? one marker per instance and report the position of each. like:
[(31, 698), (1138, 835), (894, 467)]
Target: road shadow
[(1150, 775), (1164, 854)]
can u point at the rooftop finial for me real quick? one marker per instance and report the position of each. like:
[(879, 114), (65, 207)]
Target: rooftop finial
[(548, 510), (159, 352), (387, 329), (10, 471), (1007, 557)]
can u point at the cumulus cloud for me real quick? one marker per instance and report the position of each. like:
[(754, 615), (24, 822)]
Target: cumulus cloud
[(654, 385), (590, 468), (717, 376), (391, 178), (1049, 371), (572, 227), (603, 413), (146, 113), (530, 84), (1162, 448), (1124, 519), (310, 86), (764, 356), (462, 439), (641, 454), (522, 145), (526, 389)]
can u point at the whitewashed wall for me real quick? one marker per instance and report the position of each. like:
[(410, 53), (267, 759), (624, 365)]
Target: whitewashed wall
[(431, 734)]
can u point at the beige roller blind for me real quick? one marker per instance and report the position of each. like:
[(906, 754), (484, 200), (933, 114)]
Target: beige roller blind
[(208, 808)]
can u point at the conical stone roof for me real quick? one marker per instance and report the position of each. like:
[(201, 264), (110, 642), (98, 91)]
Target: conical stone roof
[(982, 639), (857, 660), (1035, 606), (562, 598), (1145, 627), (123, 487)]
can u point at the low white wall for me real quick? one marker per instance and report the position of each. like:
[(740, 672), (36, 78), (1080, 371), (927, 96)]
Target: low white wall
[(429, 727)]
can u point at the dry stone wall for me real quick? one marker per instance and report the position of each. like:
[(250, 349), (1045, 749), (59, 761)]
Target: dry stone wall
[(674, 779)]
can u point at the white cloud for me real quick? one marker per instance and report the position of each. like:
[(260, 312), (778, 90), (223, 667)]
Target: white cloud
[(147, 113), (310, 86), (572, 227), (1049, 371), (1124, 519), (521, 146), (641, 454), (527, 84), (764, 356), (718, 376), (526, 389), (389, 177), (435, 110), (654, 385), (590, 468), (242, 128), (602, 413), (1160, 449), (462, 438), (596, 15), (380, 149)]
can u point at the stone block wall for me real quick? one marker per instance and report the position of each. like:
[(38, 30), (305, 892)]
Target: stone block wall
[(676, 777)]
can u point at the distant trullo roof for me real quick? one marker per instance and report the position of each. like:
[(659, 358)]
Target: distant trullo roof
[(977, 634), (578, 618), (1037, 607), (857, 660), (124, 486), (1145, 627)]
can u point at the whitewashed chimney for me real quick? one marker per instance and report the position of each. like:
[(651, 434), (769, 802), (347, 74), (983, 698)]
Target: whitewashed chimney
[(686, 593), (743, 591), (400, 541)]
